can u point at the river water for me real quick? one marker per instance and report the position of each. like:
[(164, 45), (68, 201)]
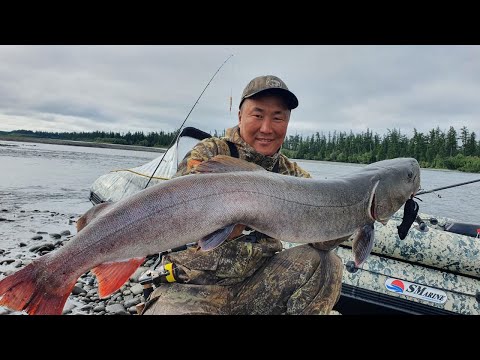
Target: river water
[(43, 186)]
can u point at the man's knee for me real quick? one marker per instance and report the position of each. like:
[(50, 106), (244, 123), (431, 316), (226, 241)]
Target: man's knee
[(186, 299), (321, 291)]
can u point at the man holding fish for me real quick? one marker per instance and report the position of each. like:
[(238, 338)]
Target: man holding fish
[(231, 184), (250, 274)]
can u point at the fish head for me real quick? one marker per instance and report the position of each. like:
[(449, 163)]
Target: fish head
[(395, 181)]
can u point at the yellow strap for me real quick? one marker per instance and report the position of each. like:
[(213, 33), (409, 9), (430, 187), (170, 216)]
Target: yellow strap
[(169, 277)]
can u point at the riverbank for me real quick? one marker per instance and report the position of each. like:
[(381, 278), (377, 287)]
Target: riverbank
[(82, 143), (46, 231)]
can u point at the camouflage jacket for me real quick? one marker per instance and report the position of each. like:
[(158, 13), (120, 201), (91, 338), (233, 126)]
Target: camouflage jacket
[(213, 146), (238, 258)]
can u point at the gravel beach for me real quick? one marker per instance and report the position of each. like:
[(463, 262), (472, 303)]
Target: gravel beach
[(45, 231)]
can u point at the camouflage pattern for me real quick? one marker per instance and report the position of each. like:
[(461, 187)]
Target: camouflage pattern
[(437, 248), (244, 277), (434, 258), (269, 83), (213, 146), (302, 280)]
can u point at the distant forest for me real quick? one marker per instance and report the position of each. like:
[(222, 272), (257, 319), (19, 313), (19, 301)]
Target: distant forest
[(435, 149)]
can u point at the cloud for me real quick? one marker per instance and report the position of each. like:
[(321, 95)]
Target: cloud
[(154, 88)]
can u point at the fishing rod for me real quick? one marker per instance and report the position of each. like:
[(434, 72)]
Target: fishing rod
[(181, 126), (446, 187)]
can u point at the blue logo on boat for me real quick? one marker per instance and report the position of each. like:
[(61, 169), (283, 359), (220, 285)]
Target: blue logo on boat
[(396, 285)]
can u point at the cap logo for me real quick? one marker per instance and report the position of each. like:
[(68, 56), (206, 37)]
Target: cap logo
[(273, 83)]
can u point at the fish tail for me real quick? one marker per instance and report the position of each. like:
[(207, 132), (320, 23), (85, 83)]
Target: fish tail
[(21, 291)]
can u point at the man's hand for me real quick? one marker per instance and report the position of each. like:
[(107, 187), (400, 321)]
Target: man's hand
[(237, 231)]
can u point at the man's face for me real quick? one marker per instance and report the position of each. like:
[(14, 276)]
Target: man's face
[(263, 123)]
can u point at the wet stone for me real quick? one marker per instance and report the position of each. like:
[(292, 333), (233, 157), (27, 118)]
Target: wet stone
[(137, 289), (132, 302), (87, 307), (99, 308), (77, 290), (6, 261), (116, 309)]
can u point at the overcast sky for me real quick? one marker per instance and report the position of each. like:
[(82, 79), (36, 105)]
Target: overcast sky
[(153, 88)]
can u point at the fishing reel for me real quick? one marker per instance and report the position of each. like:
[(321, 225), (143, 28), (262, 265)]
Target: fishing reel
[(166, 273), (154, 278)]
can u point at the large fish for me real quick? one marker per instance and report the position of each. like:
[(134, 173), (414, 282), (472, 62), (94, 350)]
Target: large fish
[(113, 240)]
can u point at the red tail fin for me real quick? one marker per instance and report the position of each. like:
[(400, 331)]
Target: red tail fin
[(111, 276), (21, 291)]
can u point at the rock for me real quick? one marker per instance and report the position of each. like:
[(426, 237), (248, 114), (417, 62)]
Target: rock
[(77, 290), (65, 233), (92, 292), (99, 308), (69, 306), (132, 302), (42, 247), (87, 307), (117, 309), (55, 236), (37, 237), (22, 244), (137, 289), (6, 261)]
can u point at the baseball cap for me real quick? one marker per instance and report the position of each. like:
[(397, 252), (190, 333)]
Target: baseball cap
[(271, 84)]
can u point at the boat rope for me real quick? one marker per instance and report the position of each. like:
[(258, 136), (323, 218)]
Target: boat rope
[(446, 187), (174, 140)]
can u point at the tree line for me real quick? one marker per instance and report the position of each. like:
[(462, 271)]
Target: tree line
[(435, 149), (152, 139)]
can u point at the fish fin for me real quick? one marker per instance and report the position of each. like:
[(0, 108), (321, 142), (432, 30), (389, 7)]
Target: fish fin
[(91, 214), (216, 238), (22, 291), (112, 275), (224, 163), (362, 244)]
